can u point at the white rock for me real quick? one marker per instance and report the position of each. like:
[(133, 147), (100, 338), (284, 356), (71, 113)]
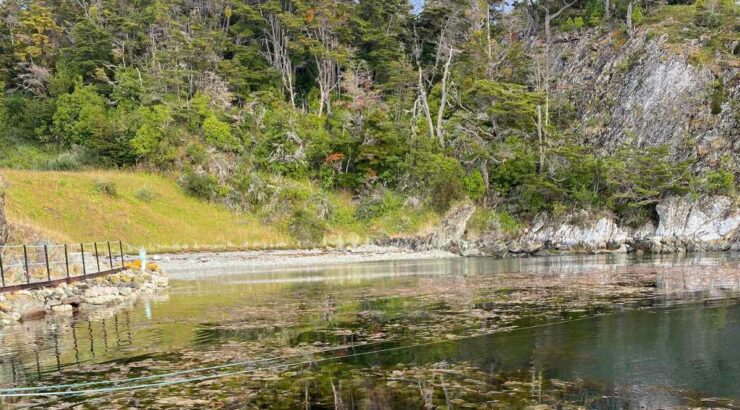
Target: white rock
[(62, 309)]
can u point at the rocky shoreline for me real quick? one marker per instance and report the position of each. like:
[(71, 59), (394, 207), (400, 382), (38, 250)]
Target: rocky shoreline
[(69, 299), (200, 264), (684, 224)]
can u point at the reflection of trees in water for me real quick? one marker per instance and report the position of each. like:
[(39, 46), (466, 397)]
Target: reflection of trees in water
[(50, 347)]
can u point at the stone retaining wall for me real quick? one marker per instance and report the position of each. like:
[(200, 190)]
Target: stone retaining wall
[(66, 299)]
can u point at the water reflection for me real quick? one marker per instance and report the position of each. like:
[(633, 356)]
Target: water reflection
[(241, 316), (58, 343)]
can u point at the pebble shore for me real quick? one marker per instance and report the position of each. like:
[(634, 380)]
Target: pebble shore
[(200, 264)]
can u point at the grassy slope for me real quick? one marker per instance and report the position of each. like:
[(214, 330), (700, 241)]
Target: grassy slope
[(66, 206)]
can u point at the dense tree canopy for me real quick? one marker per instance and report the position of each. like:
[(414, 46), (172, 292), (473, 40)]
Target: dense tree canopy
[(451, 102)]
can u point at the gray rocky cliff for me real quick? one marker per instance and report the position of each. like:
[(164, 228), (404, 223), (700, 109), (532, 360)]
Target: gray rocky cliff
[(685, 224), (647, 92)]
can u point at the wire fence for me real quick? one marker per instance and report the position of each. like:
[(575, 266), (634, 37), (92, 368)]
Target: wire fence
[(31, 266)]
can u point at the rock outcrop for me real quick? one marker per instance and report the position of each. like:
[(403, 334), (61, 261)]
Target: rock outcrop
[(578, 230), (685, 224), (706, 223), (647, 92), (448, 236)]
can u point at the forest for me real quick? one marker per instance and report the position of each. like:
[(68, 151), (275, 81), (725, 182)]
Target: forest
[(395, 105)]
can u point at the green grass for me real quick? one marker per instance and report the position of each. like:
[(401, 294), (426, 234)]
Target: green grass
[(69, 206), (153, 211)]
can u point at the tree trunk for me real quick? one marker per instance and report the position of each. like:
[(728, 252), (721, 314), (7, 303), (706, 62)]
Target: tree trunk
[(629, 19), (443, 99), (540, 139), (425, 104), (276, 45)]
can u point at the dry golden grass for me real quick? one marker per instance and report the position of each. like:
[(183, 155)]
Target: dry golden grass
[(65, 206)]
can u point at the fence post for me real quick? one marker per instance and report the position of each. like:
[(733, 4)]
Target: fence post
[(120, 247), (46, 258), (66, 259), (110, 256), (97, 258), (25, 264), (2, 271), (82, 253)]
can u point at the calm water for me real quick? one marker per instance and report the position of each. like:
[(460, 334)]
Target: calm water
[(600, 331)]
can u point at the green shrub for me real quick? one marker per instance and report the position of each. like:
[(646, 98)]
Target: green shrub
[(508, 223), (306, 228), (445, 179), (218, 133), (66, 161), (475, 185), (719, 182), (378, 205), (199, 185), (106, 188), (145, 194), (594, 12), (482, 220), (717, 97)]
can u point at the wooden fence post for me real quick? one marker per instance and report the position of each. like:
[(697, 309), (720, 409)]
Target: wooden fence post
[(82, 253), (46, 259), (120, 247), (110, 256), (25, 264), (97, 258), (66, 259), (2, 271)]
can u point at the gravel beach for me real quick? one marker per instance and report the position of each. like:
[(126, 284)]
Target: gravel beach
[(199, 264)]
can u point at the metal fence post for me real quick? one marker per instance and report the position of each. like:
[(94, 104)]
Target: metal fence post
[(2, 271), (82, 253), (25, 264), (120, 247), (66, 259), (46, 259), (97, 258), (110, 256)]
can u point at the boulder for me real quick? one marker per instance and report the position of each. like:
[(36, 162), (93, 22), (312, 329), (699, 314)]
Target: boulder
[(62, 309), (575, 231), (26, 304), (452, 230), (708, 223)]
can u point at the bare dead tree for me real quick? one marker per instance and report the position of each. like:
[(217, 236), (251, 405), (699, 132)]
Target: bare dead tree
[(444, 91), (276, 52), (422, 98), (326, 54)]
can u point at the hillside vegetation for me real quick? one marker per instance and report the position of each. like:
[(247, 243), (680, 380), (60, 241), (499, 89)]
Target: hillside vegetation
[(315, 121), (153, 211)]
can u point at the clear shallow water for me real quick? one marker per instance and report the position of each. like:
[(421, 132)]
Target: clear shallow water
[(652, 341)]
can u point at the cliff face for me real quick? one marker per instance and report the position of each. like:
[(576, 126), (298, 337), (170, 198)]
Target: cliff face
[(686, 224), (644, 91)]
